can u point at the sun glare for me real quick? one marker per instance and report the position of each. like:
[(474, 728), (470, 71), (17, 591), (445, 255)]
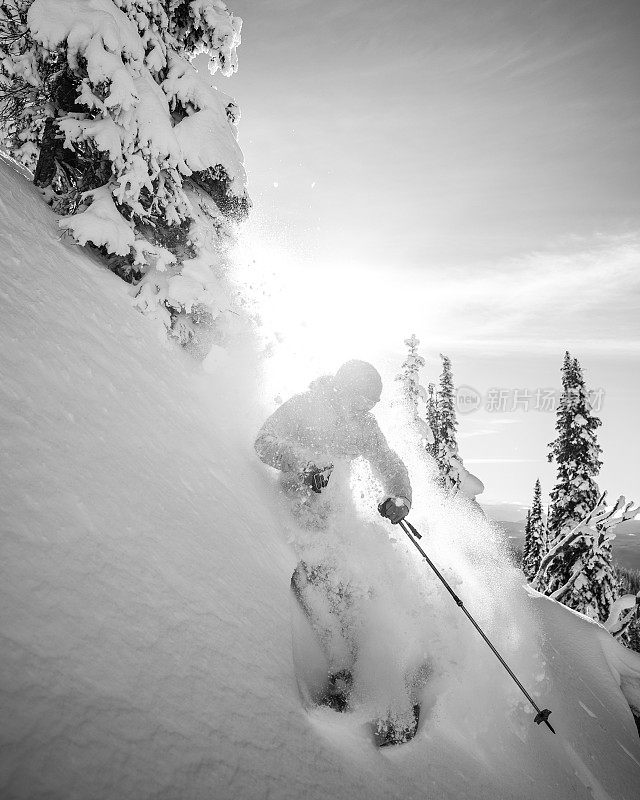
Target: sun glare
[(313, 316)]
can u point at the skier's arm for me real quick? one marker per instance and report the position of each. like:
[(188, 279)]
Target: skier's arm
[(387, 465), (277, 443)]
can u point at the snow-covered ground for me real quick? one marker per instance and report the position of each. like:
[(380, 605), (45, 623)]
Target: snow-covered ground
[(145, 629)]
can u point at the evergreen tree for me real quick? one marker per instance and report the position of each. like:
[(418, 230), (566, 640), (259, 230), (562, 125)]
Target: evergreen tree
[(433, 415), (414, 393), (580, 571), (575, 451), (537, 539), (101, 101), (527, 543), (432, 419), (409, 375), (626, 624), (449, 461)]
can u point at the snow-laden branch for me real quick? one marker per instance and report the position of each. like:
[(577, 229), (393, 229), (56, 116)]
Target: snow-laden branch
[(623, 611), (596, 529), (562, 591), (566, 540)]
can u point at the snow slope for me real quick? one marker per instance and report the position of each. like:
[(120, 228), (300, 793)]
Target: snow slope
[(145, 636)]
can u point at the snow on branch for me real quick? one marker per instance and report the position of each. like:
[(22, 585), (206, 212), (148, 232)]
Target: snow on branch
[(101, 223), (623, 612), (122, 132), (595, 532)]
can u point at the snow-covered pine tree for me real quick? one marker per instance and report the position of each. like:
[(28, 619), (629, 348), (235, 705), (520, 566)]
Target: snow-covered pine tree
[(575, 451), (527, 543), (537, 538), (582, 555), (414, 393), (409, 375), (449, 461), (432, 415), (575, 495), (101, 101), (22, 100), (624, 619), (432, 419)]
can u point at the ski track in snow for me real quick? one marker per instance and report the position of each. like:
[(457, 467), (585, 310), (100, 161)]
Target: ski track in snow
[(584, 775), (145, 635), (631, 756), (588, 710)]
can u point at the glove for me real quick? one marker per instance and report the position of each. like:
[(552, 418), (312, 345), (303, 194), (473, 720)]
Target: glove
[(316, 477), (394, 509)]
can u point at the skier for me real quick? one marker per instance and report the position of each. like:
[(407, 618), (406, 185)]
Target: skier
[(312, 439)]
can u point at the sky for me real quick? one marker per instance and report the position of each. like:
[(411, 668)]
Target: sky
[(468, 172)]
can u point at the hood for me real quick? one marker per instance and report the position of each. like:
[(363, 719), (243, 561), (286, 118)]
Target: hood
[(357, 382)]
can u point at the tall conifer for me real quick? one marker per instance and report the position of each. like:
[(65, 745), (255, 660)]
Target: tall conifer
[(537, 539), (449, 461), (575, 451), (527, 542), (414, 392), (577, 568), (432, 419)]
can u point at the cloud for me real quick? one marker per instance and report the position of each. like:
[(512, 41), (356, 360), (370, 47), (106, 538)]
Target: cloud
[(582, 294)]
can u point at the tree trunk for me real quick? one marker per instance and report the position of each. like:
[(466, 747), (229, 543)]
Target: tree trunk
[(46, 166), (64, 97)]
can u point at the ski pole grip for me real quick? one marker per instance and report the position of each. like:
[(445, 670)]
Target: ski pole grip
[(382, 510), (413, 530), (384, 507)]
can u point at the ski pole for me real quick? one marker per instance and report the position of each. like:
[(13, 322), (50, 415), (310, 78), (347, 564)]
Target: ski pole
[(412, 533)]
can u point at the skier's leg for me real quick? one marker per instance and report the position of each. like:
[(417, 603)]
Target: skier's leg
[(320, 601), (319, 598), (389, 687)]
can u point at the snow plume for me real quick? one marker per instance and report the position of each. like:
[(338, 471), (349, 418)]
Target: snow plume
[(472, 555)]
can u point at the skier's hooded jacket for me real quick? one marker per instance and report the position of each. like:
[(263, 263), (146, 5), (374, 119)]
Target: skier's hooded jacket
[(331, 422)]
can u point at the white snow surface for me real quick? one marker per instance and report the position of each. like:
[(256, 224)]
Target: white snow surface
[(145, 633)]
